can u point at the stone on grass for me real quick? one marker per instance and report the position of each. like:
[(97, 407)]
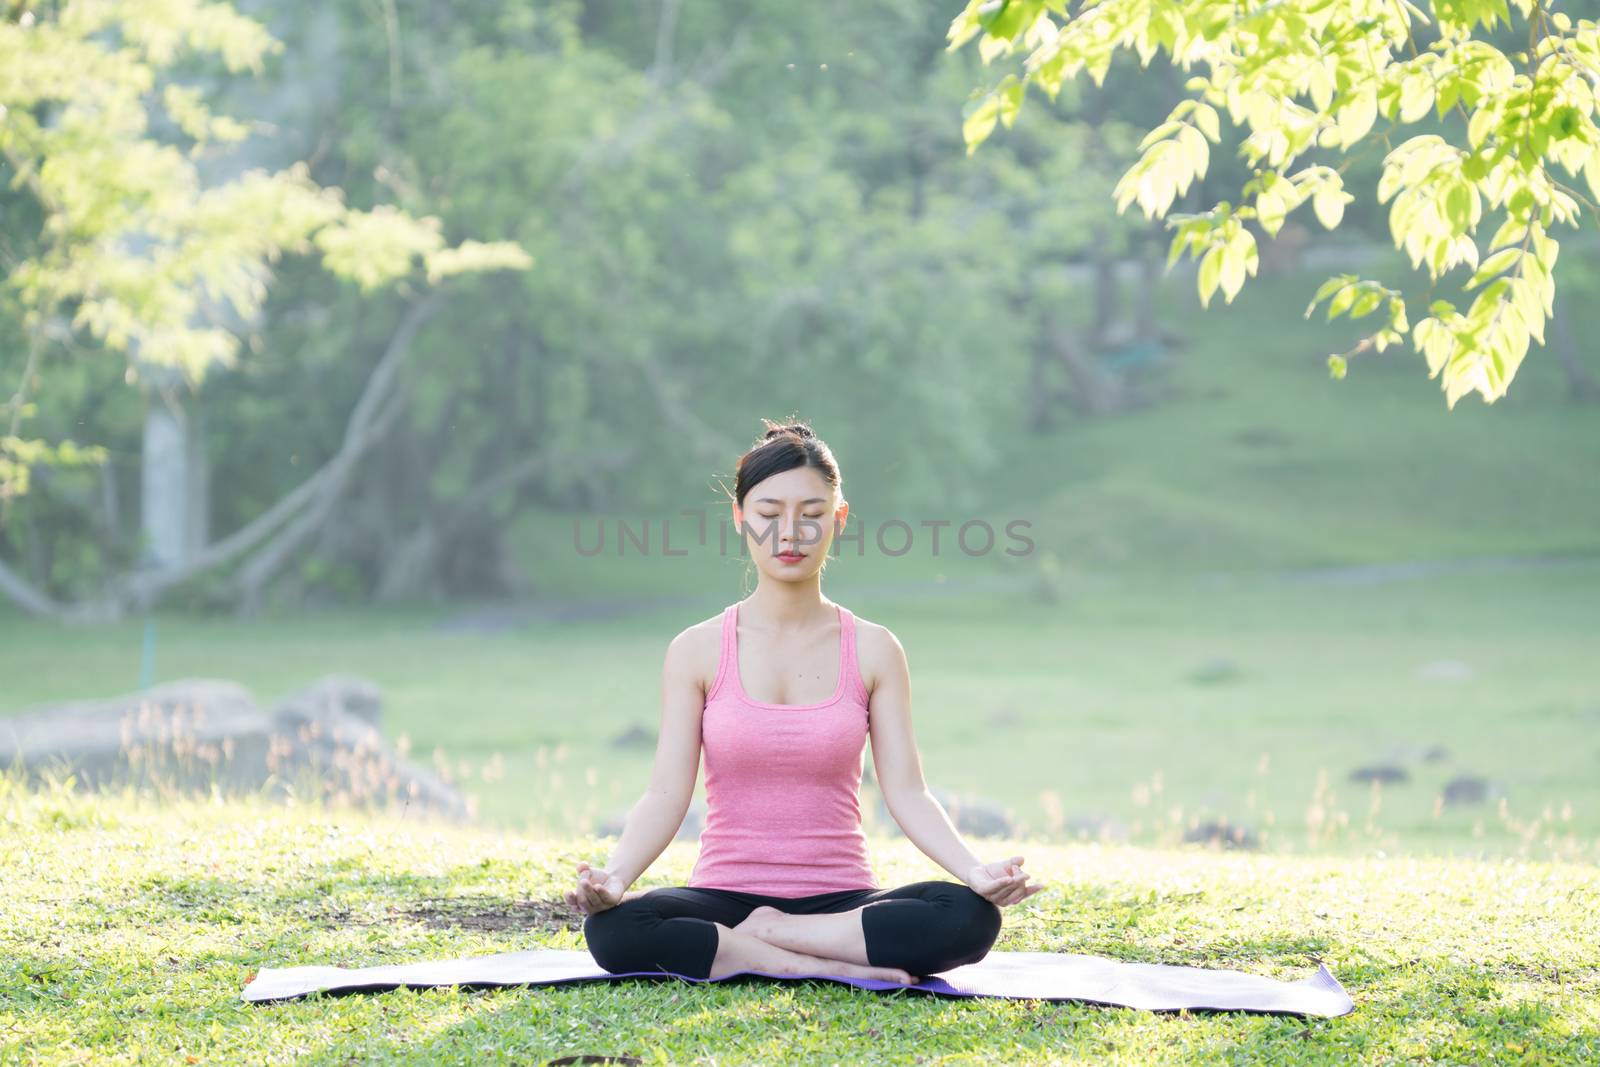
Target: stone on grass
[(1383, 773), (1467, 789), (635, 736), (1221, 833), (972, 816), (1445, 670), (192, 735), (688, 830), (1216, 672)]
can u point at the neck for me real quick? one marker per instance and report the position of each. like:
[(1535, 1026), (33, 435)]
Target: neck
[(787, 605)]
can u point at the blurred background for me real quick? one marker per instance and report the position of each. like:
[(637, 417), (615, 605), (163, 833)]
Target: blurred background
[(1257, 606)]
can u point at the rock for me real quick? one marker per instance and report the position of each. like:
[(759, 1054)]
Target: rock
[(1384, 773), (1263, 437), (688, 830), (1216, 672), (1006, 718), (94, 739), (972, 816), (1445, 670), (331, 697), (1466, 789), (189, 735), (635, 736), (1222, 834)]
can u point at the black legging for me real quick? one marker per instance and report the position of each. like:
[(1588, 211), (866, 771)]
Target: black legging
[(922, 928)]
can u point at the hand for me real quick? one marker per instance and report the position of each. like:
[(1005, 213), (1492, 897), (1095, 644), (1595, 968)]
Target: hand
[(597, 889), (1002, 882)]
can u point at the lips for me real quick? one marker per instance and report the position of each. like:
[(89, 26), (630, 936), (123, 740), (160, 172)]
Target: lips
[(791, 557)]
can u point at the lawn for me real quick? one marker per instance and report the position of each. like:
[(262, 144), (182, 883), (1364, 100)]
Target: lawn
[(131, 926), (1136, 707)]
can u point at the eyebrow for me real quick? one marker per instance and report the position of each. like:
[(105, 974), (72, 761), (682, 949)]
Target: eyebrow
[(807, 500)]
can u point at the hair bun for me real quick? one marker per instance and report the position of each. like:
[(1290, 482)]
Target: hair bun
[(799, 429)]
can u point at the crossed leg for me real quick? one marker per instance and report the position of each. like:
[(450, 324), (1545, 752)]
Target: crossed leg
[(693, 932), (897, 934), (921, 928), (739, 951)]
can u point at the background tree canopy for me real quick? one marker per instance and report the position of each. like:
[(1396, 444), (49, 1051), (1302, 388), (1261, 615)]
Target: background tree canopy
[(1494, 124), (721, 202)]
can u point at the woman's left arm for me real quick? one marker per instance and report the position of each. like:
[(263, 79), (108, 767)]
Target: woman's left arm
[(898, 766)]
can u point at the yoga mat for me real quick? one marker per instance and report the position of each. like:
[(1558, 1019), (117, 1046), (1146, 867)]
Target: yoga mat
[(1021, 975)]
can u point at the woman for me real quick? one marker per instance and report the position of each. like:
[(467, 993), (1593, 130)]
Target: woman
[(782, 690)]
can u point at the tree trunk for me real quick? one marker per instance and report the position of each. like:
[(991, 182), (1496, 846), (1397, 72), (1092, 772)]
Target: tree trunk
[(166, 478)]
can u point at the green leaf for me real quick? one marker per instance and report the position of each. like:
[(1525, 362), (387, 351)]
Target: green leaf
[(980, 123), (1494, 265), (1356, 116), (1010, 93), (1341, 301), (1210, 273), (1328, 204), (1366, 304), (1327, 289), (1233, 269)]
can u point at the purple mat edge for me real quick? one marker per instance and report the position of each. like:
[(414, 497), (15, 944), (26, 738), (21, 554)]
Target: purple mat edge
[(1323, 980)]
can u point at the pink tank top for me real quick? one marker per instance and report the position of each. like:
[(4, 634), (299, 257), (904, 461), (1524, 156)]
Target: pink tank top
[(783, 782)]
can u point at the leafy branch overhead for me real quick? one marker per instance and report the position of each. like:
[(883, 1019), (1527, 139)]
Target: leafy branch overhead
[(1296, 76), (135, 250)]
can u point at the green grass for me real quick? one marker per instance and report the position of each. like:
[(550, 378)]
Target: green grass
[(130, 927), (1184, 670)]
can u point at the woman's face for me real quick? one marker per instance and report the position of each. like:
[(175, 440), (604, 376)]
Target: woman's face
[(788, 523)]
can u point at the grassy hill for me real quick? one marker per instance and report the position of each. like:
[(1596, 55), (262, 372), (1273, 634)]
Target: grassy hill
[(130, 927)]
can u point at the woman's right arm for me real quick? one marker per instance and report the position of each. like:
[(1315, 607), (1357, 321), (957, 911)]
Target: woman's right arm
[(655, 817)]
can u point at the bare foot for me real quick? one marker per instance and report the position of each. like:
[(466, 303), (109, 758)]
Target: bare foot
[(739, 951), (756, 923), (844, 969)]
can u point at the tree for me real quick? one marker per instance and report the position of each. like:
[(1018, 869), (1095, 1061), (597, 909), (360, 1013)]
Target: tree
[(1297, 75), (134, 254)]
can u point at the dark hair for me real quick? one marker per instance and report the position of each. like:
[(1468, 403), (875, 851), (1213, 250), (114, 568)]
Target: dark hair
[(783, 447)]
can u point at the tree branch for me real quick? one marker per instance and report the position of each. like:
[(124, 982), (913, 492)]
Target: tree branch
[(367, 426)]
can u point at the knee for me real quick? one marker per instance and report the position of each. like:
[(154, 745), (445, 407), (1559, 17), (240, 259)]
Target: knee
[(975, 925), (605, 934)]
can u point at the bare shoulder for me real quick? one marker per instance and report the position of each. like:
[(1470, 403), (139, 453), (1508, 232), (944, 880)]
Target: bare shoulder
[(694, 652), (879, 654)]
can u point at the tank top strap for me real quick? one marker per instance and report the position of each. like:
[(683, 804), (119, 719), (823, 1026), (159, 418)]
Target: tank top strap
[(850, 662), (726, 660)]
